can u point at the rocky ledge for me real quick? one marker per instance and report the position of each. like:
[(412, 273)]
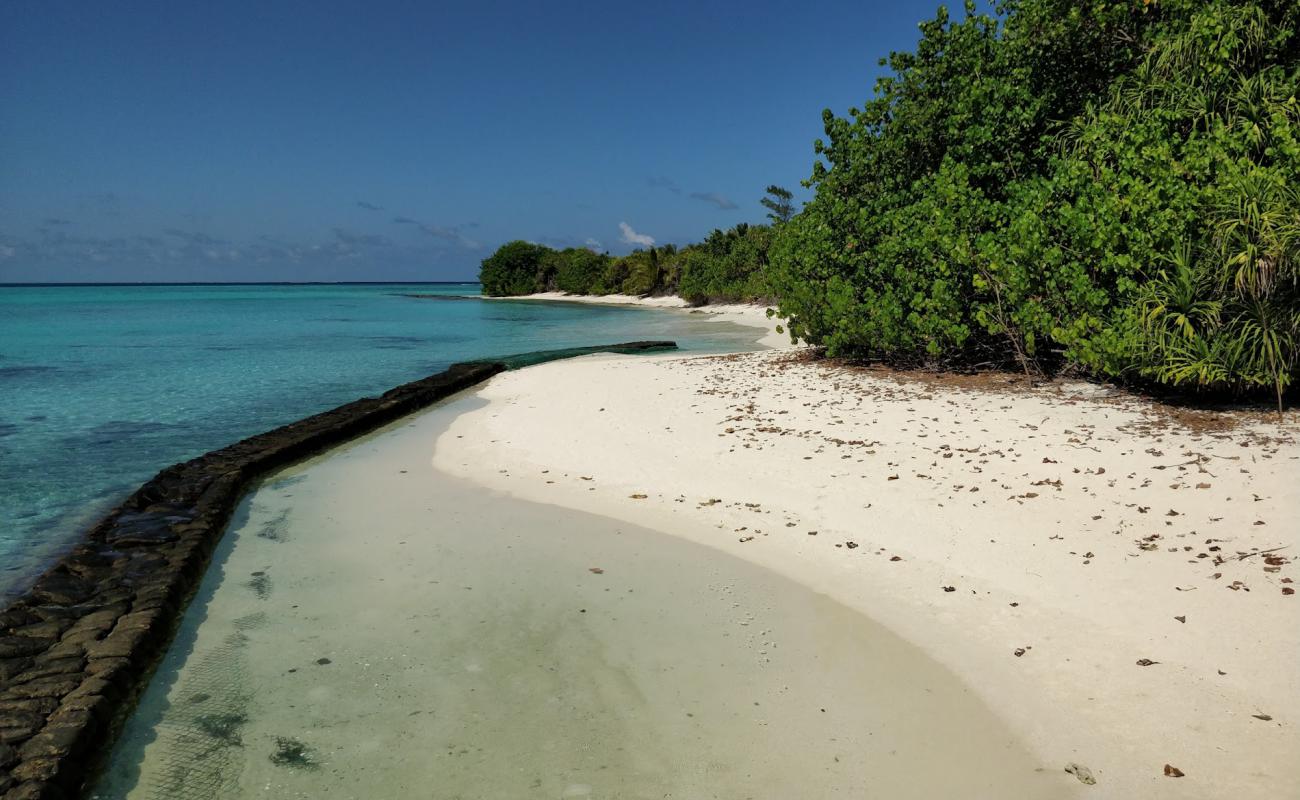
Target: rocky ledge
[(76, 649)]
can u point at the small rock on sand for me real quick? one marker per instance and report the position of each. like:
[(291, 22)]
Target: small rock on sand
[(1081, 772)]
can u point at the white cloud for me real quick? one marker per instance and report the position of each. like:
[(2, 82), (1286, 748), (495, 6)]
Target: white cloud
[(632, 237), (594, 244)]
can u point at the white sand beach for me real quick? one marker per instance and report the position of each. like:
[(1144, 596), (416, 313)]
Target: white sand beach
[(738, 313), (1112, 577), (371, 627)]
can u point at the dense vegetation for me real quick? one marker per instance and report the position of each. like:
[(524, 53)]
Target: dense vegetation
[(1111, 188), (728, 266), (1104, 186)]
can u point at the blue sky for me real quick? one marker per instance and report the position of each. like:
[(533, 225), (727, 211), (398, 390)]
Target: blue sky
[(404, 140)]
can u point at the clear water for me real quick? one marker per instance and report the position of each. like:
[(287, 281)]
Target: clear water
[(372, 628), (102, 386)]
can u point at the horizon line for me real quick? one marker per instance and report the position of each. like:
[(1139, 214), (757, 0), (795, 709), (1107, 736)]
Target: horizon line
[(21, 284)]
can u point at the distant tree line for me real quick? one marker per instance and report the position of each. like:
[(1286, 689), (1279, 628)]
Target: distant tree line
[(729, 266)]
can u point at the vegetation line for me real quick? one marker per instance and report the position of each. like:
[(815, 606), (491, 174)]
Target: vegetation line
[(1105, 188)]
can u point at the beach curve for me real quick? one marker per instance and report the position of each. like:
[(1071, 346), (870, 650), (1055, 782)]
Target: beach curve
[(1083, 559)]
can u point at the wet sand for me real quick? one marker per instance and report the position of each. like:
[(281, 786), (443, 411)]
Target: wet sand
[(1113, 576), (371, 628)]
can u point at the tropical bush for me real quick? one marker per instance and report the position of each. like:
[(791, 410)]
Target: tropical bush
[(729, 266), (576, 269), (515, 268), (1099, 186)]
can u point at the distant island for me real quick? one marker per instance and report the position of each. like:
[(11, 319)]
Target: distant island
[(729, 266)]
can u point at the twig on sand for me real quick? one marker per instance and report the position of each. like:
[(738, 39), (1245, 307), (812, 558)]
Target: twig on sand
[(1262, 552)]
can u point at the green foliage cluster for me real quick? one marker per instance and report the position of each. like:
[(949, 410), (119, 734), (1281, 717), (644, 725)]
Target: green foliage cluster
[(515, 268), (1095, 185), (728, 266)]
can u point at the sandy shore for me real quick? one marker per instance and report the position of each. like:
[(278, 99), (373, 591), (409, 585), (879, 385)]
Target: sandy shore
[(372, 628), (666, 301), (1112, 581), (740, 313)]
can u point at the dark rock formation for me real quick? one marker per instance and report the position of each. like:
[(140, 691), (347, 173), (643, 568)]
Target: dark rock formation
[(75, 649)]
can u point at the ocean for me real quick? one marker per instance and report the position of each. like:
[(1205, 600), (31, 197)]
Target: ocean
[(102, 386)]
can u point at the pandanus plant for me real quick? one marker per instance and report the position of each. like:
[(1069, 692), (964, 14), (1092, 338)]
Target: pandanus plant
[(1229, 315), (1257, 238)]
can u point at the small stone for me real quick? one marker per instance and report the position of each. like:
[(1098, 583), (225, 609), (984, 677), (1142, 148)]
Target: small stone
[(9, 667), (54, 686), (1082, 773), (17, 617), (41, 706), (106, 667), (48, 629), (79, 709), (18, 646), (56, 741), (45, 668), (39, 769), (293, 753), (61, 589), (17, 735), (134, 530)]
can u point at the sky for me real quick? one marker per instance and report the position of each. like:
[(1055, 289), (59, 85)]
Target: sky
[(367, 141)]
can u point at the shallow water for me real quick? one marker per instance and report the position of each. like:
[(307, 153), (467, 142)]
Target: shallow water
[(102, 386), (371, 628)]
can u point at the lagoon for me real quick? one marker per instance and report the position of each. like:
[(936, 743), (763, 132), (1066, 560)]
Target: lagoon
[(102, 386)]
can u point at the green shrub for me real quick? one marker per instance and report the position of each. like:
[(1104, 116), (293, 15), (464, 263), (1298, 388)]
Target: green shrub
[(641, 273), (1101, 186), (515, 268), (728, 266), (577, 269)]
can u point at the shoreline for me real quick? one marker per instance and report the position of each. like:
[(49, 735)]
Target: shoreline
[(510, 649), (1031, 540), (753, 315), (742, 453), (77, 647)]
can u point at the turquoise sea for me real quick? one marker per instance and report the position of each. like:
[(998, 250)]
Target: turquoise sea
[(102, 386)]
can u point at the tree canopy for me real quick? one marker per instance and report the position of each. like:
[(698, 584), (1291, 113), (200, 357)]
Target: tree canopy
[(513, 269), (728, 266), (779, 204), (1108, 187)]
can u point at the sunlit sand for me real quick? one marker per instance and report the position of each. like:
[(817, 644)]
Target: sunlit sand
[(373, 628)]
